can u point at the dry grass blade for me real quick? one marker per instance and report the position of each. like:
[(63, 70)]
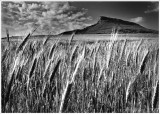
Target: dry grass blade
[(136, 52), (45, 76), (16, 62), (31, 72), (114, 36), (65, 97), (47, 69), (78, 64), (92, 52), (123, 47), (46, 40), (19, 75), (131, 81), (95, 55), (94, 66), (141, 41), (32, 68), (143, 64), (155, 96), (4, 56), (127, 90), (127, 56), (109, 54), (97, 49), (55, 70), (72, 36), (53, 48), (51, 51), (9, 87), (73, 53), (100, 75)]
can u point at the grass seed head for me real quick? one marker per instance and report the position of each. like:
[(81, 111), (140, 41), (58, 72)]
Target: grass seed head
[(23, 43)]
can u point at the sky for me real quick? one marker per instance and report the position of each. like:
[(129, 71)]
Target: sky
[(20, 18)]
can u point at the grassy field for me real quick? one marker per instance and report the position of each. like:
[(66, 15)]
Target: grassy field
[(80, 76)]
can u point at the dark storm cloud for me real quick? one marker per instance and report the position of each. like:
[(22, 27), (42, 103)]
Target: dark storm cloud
[(50, 16)]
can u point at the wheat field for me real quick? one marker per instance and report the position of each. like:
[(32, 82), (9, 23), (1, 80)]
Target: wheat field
[(80, 76)]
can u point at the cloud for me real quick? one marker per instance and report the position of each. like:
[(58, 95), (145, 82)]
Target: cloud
[(137, 19), (49, 16), (153, 7)]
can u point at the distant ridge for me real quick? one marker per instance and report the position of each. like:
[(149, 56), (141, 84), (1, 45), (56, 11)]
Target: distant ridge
[(106, 24)]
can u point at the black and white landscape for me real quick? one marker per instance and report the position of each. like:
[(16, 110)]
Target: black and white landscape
[(79, 57)]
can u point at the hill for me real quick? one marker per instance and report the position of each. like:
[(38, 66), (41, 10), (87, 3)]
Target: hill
[(106, 24)]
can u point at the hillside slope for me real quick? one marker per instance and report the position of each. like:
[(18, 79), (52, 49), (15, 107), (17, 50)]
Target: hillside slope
[(106, 24)]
